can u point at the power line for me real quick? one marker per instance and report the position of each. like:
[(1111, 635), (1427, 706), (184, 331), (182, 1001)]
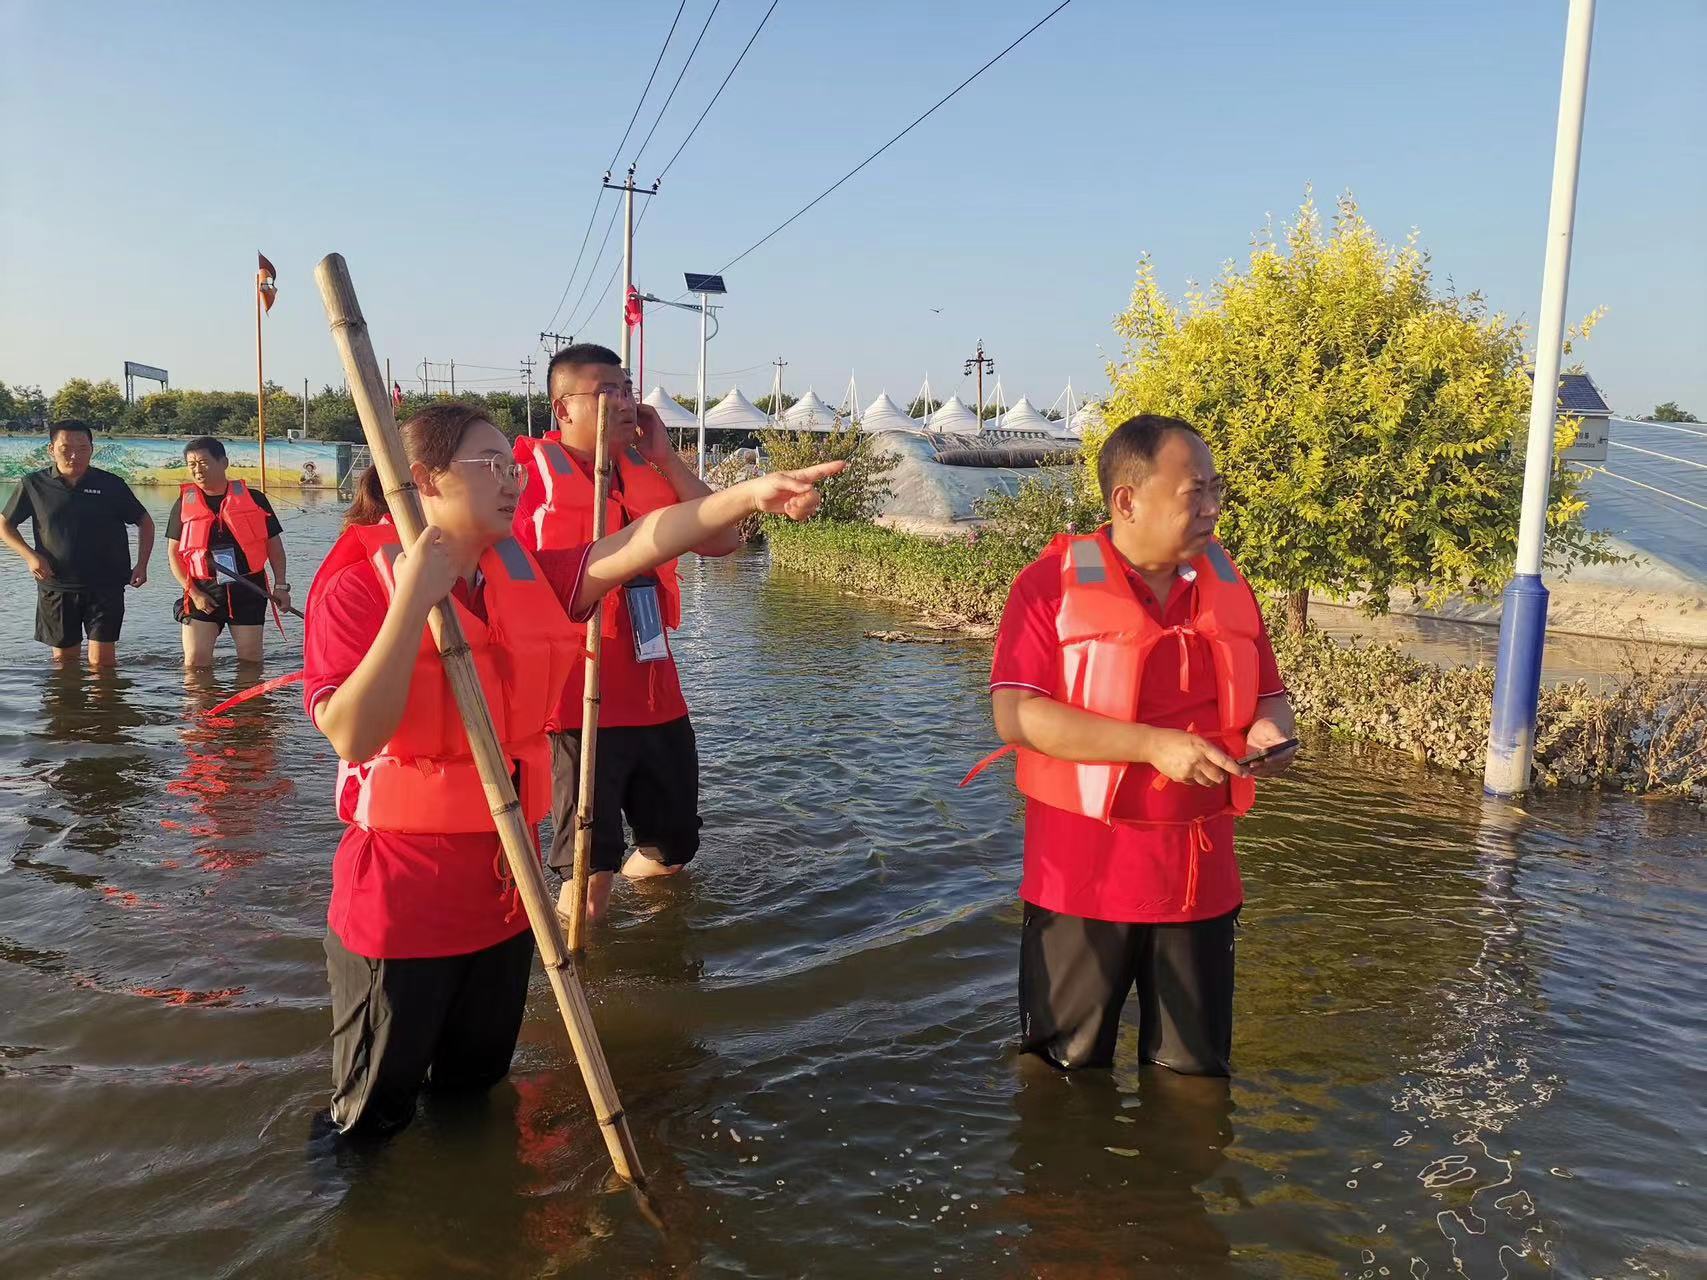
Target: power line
[(575, 327), (617, 154), (720, 89), (916, 123), (678, 84), (714, 373), (585, 236), (599, 198), (610, 279), (598, 259)]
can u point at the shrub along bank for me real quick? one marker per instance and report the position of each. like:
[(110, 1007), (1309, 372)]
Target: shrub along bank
[(1649, 733)]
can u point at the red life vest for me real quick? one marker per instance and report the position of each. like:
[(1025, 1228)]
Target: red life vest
[(1106, 637), (424, 779), (565, 518), (239, 513)]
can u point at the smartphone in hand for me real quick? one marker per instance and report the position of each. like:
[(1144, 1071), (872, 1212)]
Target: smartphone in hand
[(1278, 749)]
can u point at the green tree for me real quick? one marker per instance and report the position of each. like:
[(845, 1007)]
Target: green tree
[(922, 408), (1671, 411), (100, 404), (1370, 431), (29, 406), (859, 492)]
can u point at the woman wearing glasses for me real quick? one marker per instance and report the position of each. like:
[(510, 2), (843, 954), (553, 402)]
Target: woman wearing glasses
[(427, 948)]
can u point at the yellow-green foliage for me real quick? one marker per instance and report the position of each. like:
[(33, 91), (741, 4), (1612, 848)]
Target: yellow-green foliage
[(1370, 430)]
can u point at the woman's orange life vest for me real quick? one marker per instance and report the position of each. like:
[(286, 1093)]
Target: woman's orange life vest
[(424, 779), (1107, 637), (239, 513), (565, 518)]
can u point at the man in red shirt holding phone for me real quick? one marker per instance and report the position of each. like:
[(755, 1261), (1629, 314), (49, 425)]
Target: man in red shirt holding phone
[(1133, 675), (648, 759)]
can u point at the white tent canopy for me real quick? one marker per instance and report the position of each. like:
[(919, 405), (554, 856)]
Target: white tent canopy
[(1086, 415), (735, 413), (883, 414), (953, 418), (675, 417), (1023, 416), (809, 413)]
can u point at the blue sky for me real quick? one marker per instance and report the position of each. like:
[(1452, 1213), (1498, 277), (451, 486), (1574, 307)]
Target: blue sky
[(452, 152)]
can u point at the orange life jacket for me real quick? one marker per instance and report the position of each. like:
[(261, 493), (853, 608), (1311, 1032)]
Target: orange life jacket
[(1106, 637), (565, 518), (424, 779), (239, 513)]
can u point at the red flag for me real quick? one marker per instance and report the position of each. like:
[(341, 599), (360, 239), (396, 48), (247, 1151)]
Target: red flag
[(396, 396), (633, 311), (266, 281)]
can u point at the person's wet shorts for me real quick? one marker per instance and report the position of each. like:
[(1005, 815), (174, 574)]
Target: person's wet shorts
[(64, 615), (648, 774), (233, 605)]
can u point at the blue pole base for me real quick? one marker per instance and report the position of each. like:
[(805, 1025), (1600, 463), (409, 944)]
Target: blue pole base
[(1517, 687)]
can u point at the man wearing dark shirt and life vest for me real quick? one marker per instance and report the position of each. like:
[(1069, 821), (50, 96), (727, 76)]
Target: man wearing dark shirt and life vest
[(81, 560), (1132, 675), (221, 535), (648, 763)]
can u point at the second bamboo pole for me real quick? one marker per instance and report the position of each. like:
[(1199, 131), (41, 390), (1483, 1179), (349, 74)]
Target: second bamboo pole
[(590, 702)]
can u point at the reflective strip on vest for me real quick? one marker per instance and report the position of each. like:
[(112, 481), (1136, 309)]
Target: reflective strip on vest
[(515, 560), (1221, 562), (1087, 561)]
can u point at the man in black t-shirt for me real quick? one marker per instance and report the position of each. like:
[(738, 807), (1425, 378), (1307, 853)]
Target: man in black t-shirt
[(205, 551), (81, 560)]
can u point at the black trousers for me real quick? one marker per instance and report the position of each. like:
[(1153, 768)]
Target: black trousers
[(646, 773), (400, 1025), (1075, 974)]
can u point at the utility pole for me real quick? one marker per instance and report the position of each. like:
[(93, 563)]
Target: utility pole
[(558, 340), (527, 371), (776, 391), (1523, 615), (983, 364), (453, 382), (424, 390), (305, 408), (629, 190)]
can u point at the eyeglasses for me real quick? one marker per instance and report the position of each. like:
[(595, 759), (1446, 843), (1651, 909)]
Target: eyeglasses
[(625, 392), (501, 468)]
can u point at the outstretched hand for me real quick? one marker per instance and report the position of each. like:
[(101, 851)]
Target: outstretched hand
[(793, 493)]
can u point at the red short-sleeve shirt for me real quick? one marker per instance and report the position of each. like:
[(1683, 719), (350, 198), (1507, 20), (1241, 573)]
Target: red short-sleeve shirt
[(397, 896), (631, 693), (1077, 865)]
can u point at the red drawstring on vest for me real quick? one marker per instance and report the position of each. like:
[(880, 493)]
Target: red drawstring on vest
[(507, 887), (1199, 842), (1184, 634)]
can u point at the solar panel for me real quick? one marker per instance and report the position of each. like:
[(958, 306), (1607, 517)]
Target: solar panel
[(1578, 394), (704, 284)]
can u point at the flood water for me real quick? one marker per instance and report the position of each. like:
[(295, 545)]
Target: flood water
[(1467, 1043)]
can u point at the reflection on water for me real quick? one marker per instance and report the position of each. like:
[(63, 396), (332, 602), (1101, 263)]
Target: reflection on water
[(1469, 1042)]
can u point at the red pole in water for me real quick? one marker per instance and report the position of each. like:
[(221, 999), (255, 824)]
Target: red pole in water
[(266, 289)]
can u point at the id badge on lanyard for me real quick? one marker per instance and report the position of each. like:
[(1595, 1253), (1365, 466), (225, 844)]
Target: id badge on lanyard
[(226, 558), (646, 619)]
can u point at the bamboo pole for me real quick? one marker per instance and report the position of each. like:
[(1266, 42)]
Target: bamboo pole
[(590, 702), (373, 404)]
